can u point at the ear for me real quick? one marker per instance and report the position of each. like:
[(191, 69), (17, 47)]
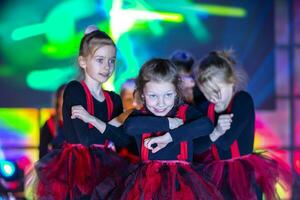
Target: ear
[(82, 62)]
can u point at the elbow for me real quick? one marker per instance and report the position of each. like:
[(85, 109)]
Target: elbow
[(209, 125), (128, 128)]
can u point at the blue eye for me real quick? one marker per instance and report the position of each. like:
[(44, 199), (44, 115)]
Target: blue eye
[(169, 95), (152, 96), (99, 60), (112, 61)]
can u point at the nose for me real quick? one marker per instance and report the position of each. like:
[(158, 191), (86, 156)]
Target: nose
[(107, 67), (161, 101)]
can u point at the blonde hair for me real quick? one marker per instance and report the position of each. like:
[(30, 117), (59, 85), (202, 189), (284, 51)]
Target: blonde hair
[(221, 64)]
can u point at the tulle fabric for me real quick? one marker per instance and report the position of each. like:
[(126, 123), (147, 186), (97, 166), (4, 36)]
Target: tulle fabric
[(73, 171), (243, 177), (172, 180)]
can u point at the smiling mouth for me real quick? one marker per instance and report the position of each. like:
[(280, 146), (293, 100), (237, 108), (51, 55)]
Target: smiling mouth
[(160, 111), (104, 74)]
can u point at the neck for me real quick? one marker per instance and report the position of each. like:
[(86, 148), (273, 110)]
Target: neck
[(95, 88), (220, 107)]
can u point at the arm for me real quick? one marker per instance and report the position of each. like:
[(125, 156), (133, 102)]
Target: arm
[(202, 144), (198, 127), (45, 139), (74, 95), (137, 124), (243, 117), (161, 141)]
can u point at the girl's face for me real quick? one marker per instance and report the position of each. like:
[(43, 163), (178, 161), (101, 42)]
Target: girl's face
[(159, 97), (217, 91), (101, 64)]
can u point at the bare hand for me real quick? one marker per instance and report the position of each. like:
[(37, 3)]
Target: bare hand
[(115, 122), (224, 123), (157, 143), (174, 122), (79, 112)]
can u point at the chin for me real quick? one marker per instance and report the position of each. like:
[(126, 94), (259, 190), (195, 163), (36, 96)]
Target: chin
[(160, 114)]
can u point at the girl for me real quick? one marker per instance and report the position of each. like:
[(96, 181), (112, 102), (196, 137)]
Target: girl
[(85, 159), (51, 133), (166, 174), (233, 167)]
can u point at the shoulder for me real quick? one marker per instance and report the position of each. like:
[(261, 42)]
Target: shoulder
[(203, 106), (74, 87), (242, 97), (243, 101), (74, 93)]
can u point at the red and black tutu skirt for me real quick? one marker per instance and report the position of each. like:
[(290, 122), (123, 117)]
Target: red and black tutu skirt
[(247, 176), (73, 171), (170, 180)]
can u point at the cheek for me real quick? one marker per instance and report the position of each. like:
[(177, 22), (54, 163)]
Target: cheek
[(150, 102), (111, 68), (170, 102)]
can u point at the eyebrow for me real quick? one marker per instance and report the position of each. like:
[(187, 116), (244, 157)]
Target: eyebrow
[(103, 57), (170, 91)]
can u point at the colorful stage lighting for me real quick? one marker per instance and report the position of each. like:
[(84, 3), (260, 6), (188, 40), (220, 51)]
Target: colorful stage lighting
[(7, 169)]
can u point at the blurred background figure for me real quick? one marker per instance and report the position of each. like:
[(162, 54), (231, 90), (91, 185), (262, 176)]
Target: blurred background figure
[(51, 135), (129, 104), (184, 62), (128, 100)]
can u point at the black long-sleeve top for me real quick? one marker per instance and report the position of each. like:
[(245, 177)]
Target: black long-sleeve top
[(77, 131), (50, 135), (140, 122), (46, 136), (242, 128)]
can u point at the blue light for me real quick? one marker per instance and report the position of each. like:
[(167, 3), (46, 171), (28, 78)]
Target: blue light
[(7, 169)]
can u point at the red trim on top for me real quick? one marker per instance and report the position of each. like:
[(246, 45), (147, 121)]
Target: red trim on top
[(181, 113), (144, 150), (110, 108), (235, 152), (109, 104), (89, 100), (90, 105), (211, 116), (234, 148), (51, 126)]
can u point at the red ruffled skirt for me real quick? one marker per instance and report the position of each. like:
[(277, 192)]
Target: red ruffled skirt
[(74, 171), (159, 180), (242, 178)]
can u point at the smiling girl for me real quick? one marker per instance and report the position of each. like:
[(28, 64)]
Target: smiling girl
[(166, 174)]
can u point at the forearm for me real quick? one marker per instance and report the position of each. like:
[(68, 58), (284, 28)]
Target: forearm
[(195, 129), (145, 124), (116, 135), (98, 124)]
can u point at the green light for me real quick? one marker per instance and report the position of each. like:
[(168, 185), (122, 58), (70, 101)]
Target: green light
[(50, 80), (23, 121), (219, 10), (28, 31), (122, 20)]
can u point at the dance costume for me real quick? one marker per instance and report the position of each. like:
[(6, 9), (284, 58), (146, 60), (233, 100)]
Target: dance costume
[(52, 134), (231, 164), (166, 174), (85, 159)]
